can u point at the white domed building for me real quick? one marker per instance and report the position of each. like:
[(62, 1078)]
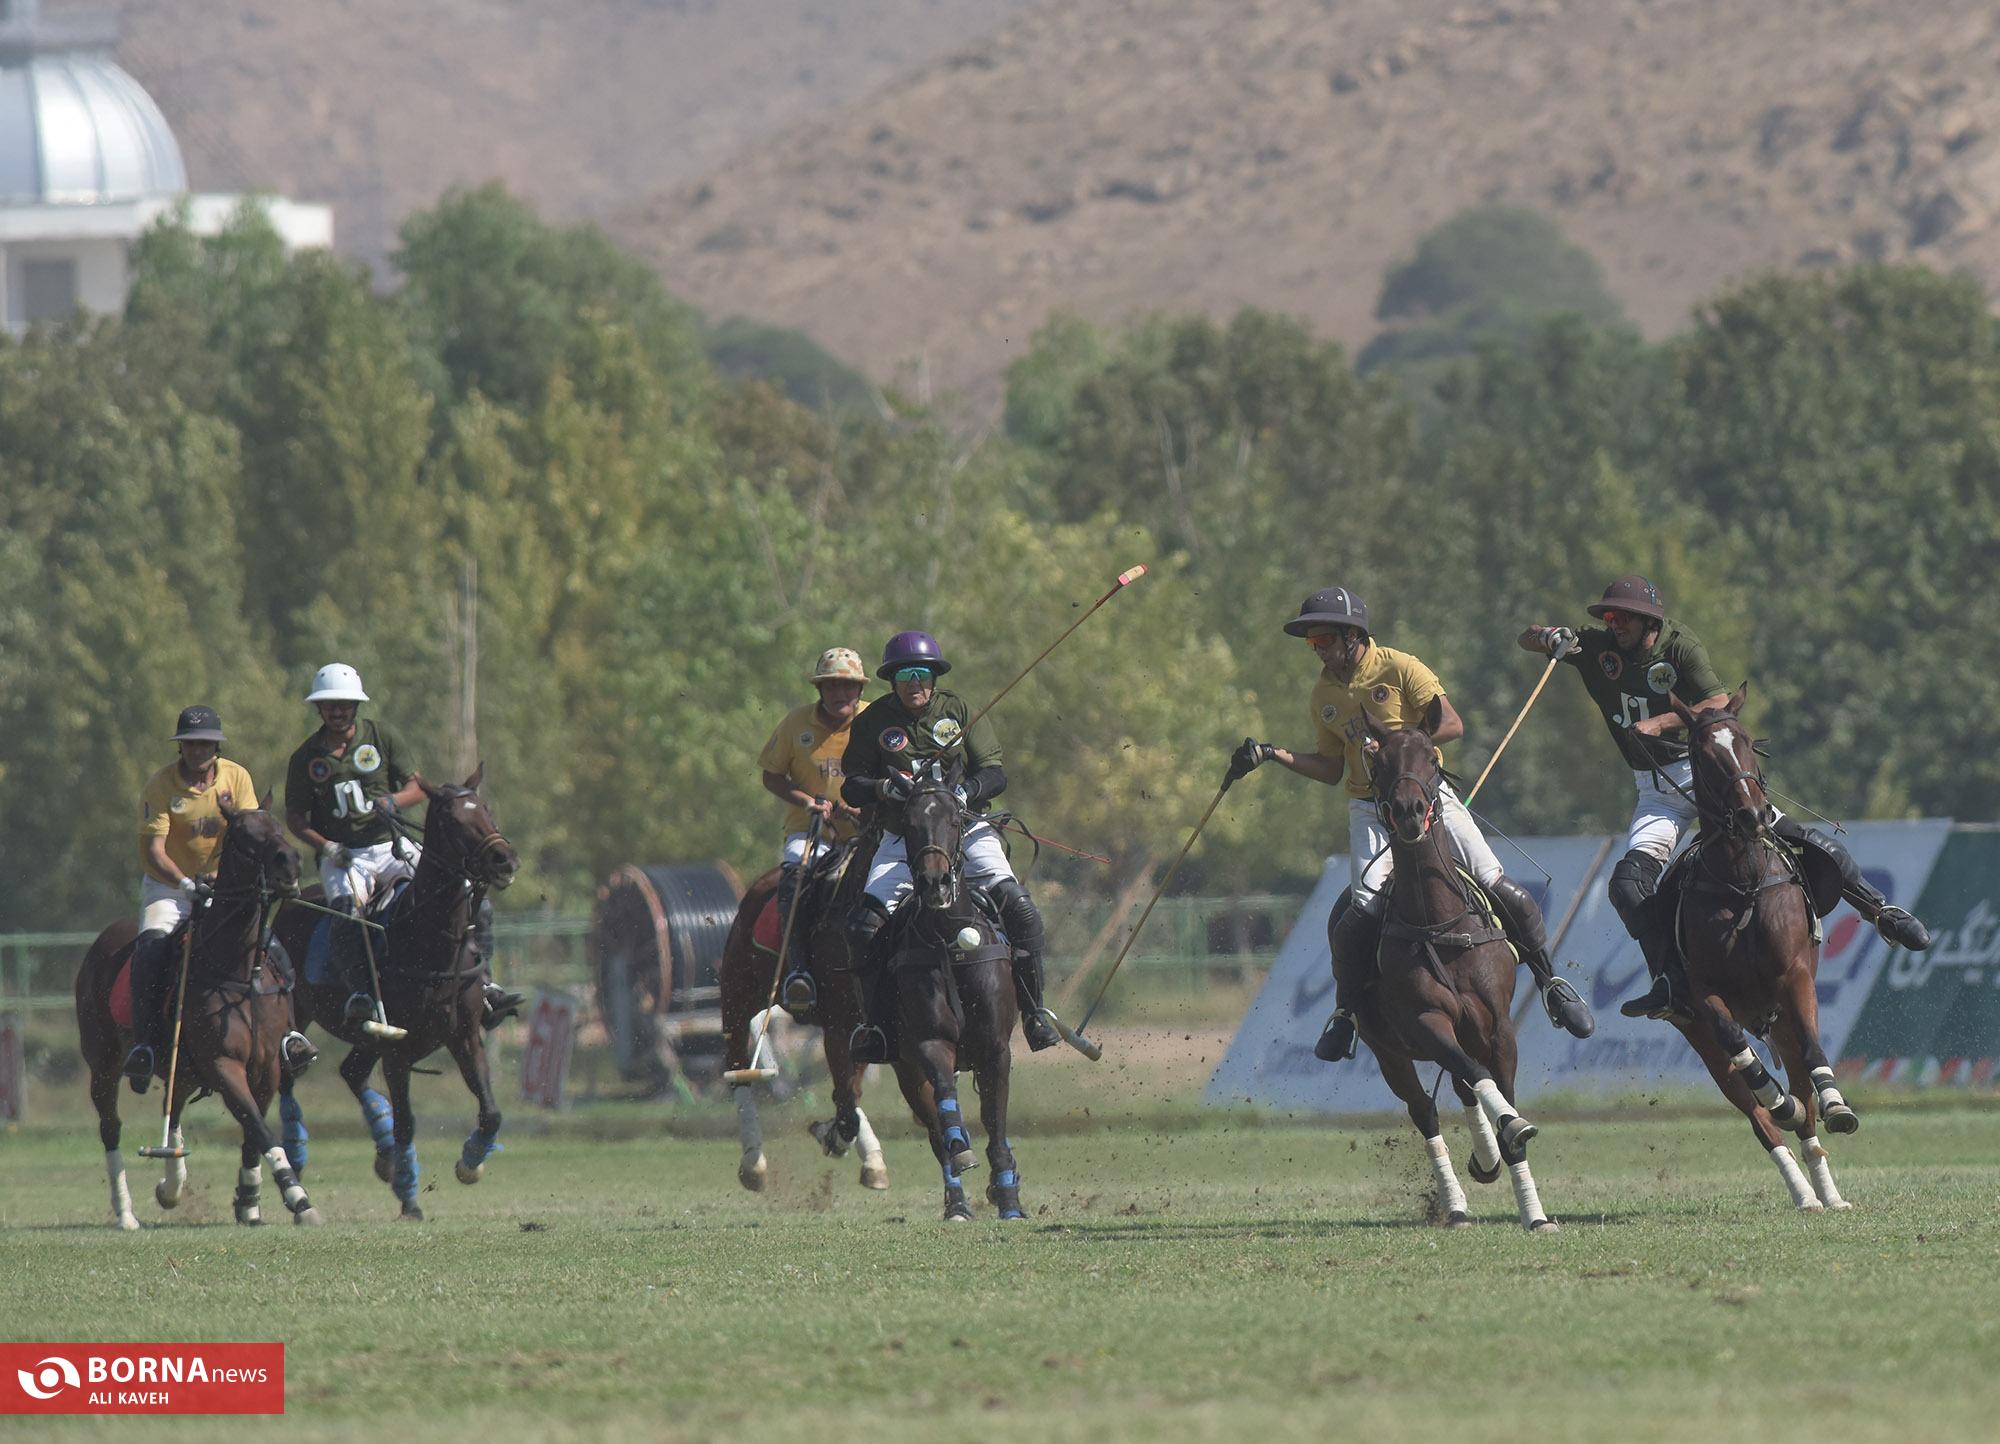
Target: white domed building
[(87, 163)]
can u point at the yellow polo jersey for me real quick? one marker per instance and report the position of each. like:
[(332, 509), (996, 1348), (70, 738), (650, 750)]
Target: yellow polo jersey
[(190, 818), (1392, 687), (803, 750)]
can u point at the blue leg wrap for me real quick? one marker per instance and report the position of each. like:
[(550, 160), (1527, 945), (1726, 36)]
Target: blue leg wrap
[(478, 1146), (404, 1179), (955, 1136), (1006, 1178), (380, 1118), (294, 1119)]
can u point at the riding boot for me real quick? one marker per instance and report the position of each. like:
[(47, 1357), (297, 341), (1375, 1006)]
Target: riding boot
[(1356, 939), (149, 954), (869, 1042), (349, 955), (1564, 1005), (797, 993), (1896, 925), (501, 1003), (296, 1052), (1023, 922), (1671, 995)]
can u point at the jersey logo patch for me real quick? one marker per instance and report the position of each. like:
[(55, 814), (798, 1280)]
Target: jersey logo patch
[(1661, 676), (179, 804), (894, 739), (805, 739), (319, 769), (1328, 712), (1380, 694), (1612, 663), (946, 731), (367, 758)]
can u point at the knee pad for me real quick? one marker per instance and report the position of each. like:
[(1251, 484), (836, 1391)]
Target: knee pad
[(1018, 911), (1633, 882), (868, 918)]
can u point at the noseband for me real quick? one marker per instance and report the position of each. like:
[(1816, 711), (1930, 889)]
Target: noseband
[(470, 860), (1385, 806), (1733, 777)]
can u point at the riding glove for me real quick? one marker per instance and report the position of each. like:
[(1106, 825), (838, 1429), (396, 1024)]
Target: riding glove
[(334, 858), (1559, 641), (1245, 759)]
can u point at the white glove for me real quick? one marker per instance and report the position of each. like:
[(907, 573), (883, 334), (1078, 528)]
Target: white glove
[(188, 886), (334, 858), (1561, 641)]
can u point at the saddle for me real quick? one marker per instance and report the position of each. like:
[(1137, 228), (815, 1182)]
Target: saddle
[(904, 951), (1811, 870), (814, 896), (278, 976), (1480, 925), (320, 969)]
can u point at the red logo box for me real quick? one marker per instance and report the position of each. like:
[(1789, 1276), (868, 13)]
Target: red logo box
[(142, 1378)]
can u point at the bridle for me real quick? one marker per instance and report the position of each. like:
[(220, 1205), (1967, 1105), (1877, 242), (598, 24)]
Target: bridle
[(1385, 801), (1734, 778), (468, 861), (931, 782), (259, 886)]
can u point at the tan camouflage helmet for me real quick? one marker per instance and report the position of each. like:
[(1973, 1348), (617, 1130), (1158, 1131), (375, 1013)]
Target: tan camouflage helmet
[(839, 664)]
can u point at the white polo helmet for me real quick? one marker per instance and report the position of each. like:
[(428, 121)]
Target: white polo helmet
[(336, 682)]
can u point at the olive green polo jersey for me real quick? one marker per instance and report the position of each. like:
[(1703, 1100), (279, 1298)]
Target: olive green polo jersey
[(338, 792)]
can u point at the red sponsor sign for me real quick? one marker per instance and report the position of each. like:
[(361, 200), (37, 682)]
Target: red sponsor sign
[(551, 1038), (142, 1378)]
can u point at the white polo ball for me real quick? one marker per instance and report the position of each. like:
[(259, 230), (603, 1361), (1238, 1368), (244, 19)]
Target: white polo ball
[(968, 938)]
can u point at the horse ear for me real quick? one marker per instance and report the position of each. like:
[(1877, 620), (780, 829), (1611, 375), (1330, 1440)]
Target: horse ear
[(229, 814), (1742, 695), (1375, 732), (478, 772), (265, 803), (1681, 709)]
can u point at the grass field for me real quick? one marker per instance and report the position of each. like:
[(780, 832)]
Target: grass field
[(1181, 1276)]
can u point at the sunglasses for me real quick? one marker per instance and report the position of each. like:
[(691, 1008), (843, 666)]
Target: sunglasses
[(913, 674), (1326, 639)]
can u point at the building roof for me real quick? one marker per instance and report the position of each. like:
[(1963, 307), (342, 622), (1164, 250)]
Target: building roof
[(75, 129)]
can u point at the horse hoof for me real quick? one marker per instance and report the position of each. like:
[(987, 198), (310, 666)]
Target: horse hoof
[(1482, 1174), (828, 1138), (250, 1217), (165, 1199), (752, 1172), (875, 1176), (1516, 1132), (308, 1217), (468, 1175), (385, 1163), (958, 1213), (964, 1161), (1455, 1219), (1841, 1119), (128, 1224), (1840, 1205), (1544, 1225), (1813, 1207), (411, 1214)]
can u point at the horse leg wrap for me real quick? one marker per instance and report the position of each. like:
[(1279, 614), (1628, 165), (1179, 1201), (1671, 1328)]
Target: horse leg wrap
[(1450, 1197), (1839, 1115), (479, 1145), (403, 1178), (1527, 1198), (121, 1192), (1803, 1197), (380, 1118), (957, 1142), (1004, 1193), (1783, 1108), (249, 1182), (1485, 1147), (289, 1187), (1821, 1169), (293, 1118)]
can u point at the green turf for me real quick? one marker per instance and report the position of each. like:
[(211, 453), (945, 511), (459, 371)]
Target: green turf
[(1224, 1281)]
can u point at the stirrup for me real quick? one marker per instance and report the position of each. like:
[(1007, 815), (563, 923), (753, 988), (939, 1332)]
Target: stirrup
[(1336, 1040), (296, 1051), (1657, 1002), (868, 1044), (799, 996), (1566, 1008), (1038, 1026), (500, 1005), (360, 1008), (139, 1067)]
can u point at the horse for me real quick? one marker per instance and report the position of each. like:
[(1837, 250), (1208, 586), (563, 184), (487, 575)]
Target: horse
[(431, 984), (747, 974), (234, 1009), (955, 1003), (1746, 929), (1445, 991)]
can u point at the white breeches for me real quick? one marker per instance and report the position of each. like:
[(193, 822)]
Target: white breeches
[(985, 863), (369, 871), (1661, 817), (161, 908), (795, 850), (1370, 864)]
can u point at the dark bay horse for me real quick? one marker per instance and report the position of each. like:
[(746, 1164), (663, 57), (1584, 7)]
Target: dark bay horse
[(234, 1013), (432, 984), (1746, 930), (1445, 993), (955, 1003), (747, 973)]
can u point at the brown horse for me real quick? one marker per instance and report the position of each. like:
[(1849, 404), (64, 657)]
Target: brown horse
[(1746, 930), (1445, 992), (235, 1009), (432, 984), (747, 973)]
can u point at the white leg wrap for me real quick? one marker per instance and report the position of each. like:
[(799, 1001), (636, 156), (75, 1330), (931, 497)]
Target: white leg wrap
[(1762, 1084), (871, 1146), (121, 1196), (1525, 1196), (248, 1180), (1485, 1147), (1803, 1196), (1450, 1197), (176, 1176), (1821, 1169), (281, 1168), (1829, 1096), (1497, 1108)]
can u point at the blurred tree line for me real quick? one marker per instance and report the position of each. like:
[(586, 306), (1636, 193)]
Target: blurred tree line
[(263, 466)]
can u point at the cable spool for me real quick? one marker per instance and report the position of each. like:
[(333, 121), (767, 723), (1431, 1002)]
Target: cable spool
[(656, 939)]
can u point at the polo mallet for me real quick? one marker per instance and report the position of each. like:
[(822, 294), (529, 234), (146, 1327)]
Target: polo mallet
[(743, 1077), (378, 1026), (167, 1148), (1547, 672), (1125, 579), (1076, 1039)]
